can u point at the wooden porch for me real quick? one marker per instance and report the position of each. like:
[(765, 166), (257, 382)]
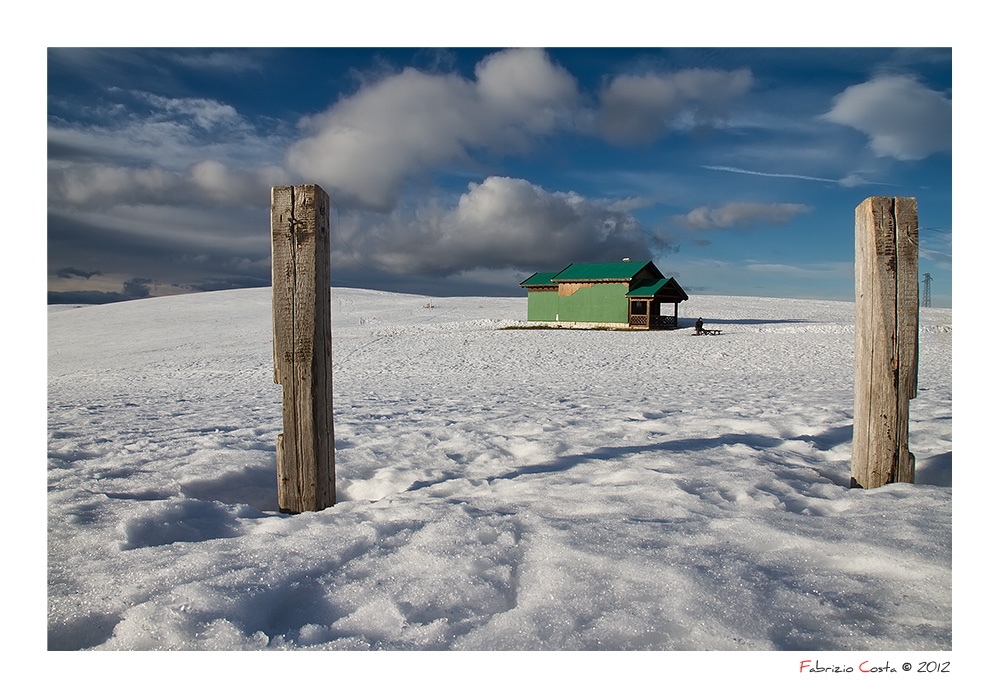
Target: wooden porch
[(644, 303), (646, 313)]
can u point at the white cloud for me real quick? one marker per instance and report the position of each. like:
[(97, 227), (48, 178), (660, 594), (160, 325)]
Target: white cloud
[(740, 215), (819, 270), (638, 109), (228, 61), (90, 187), (365, 147), (104, 185), (524, 89), (223, 185), (204, 113), (180, 230), (902, 118), (162, 132), (499, 223)]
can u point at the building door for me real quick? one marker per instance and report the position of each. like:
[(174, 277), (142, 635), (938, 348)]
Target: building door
[(638, 315)]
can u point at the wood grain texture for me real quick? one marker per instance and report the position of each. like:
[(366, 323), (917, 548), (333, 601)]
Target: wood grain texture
[(885, 337), (907, 326), (300, 287)]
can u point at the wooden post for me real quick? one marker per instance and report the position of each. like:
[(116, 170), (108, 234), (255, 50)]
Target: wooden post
[(885, 340), (300, 299)]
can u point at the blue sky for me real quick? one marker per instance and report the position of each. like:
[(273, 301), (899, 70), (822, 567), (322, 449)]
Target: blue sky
[(463, 171)]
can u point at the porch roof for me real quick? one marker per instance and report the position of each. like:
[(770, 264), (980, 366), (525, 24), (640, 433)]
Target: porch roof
[(664, 288)]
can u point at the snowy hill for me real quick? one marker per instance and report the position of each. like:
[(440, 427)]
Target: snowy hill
[(500, 489)]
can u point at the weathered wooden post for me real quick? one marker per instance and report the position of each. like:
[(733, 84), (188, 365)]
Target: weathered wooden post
[(300, 299), (885, 340)]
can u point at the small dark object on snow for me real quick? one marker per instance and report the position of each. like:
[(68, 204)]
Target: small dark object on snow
[(699, 329)]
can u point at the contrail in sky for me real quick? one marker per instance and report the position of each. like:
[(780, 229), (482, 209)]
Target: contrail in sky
[(849, 181)]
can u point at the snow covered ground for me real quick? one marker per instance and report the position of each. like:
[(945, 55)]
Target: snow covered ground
[(500, 489)]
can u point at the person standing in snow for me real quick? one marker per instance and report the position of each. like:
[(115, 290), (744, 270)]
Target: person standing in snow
[(697, 326)]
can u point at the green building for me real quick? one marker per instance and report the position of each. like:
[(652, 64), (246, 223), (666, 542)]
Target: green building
[(622, 294)]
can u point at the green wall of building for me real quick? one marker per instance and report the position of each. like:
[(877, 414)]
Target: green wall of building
[(543, 305), (600, 303)]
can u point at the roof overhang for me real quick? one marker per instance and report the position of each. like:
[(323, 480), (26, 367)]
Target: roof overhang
[(540, 279), (663, 289)]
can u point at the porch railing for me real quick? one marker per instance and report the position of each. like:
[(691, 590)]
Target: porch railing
[(645, 321), (664, 322)]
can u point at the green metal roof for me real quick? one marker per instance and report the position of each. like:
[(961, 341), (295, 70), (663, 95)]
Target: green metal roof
[(601, 271), (651, 287), (540, 279)]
